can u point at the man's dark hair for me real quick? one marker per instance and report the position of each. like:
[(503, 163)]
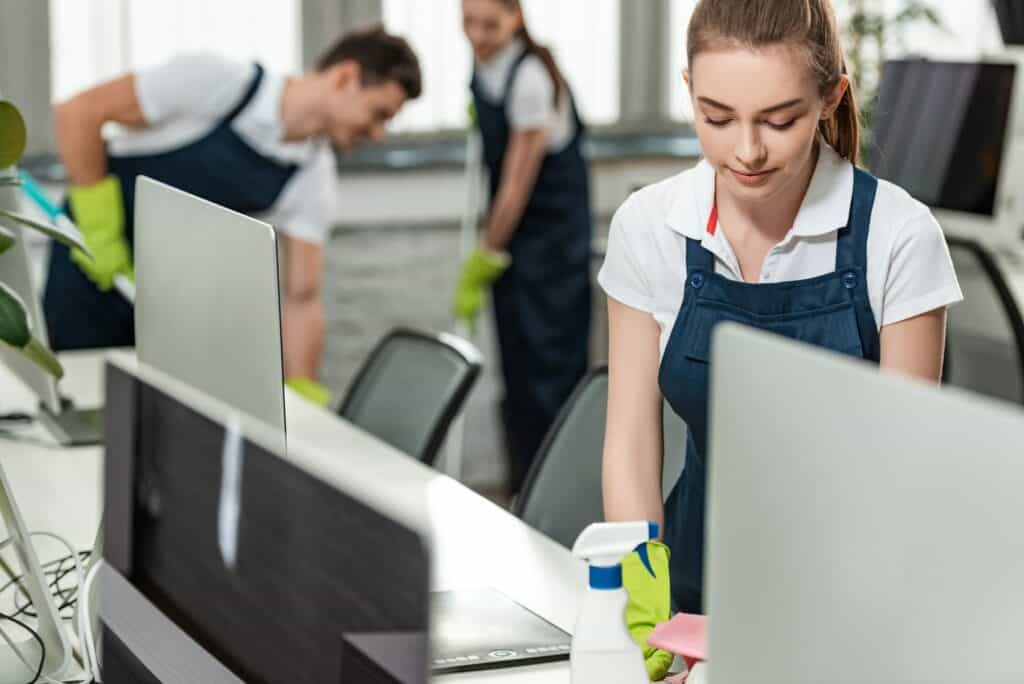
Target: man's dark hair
[(381, 56)]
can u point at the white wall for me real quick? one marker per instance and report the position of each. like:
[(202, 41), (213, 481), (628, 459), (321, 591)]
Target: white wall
[(25, 67)]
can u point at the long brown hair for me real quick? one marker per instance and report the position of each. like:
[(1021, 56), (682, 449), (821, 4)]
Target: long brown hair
[(542, 52), (808, 24)]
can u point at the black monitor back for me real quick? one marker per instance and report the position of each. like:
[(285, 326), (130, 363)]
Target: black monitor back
[(939, 130), (312, 564), (1010, 14)]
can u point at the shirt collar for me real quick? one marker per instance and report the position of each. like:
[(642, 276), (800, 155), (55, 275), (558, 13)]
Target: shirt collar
[(266, 117), (691, 202), (504, 58), (825, 208), (265, 107)]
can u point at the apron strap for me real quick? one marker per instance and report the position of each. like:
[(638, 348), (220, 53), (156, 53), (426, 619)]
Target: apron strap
[(250, 93), (698, 258), (474, 80), (581, 127), (512, 73), (852, 245)]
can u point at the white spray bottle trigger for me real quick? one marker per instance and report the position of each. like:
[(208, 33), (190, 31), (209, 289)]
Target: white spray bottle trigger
[(604, 545)]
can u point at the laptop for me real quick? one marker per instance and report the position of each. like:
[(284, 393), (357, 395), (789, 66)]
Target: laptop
[(207, 307), (479, 629)]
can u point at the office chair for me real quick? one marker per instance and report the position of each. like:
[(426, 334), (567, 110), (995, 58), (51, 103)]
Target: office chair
[(411, 388), (562, 492), (985, 337)]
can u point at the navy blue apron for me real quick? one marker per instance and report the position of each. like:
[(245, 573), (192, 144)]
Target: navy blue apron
[(832, 311), (220, 167), (542, 302)]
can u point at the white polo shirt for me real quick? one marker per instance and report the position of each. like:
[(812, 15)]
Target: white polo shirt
[(185, 98), (909, 271), (531, 104)]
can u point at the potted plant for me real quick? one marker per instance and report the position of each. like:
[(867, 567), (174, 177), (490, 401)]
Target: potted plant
[(870, 33), (15, 326)]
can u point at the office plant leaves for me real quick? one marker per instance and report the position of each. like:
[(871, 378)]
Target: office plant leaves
[(12, 135), (14, 325), (14, 331), (70, 238), (36, 352), (7, 239), (14, 328)]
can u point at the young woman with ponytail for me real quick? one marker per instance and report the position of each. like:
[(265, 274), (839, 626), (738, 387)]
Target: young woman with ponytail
[(535, 242), (776, 228)]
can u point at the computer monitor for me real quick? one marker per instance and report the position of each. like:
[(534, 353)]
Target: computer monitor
[(271, 564), (862, 527), (207, 307), (940, 130), (68, 424), (945, 132)]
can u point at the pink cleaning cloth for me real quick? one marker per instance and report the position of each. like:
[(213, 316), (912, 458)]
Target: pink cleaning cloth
[(684, 635)]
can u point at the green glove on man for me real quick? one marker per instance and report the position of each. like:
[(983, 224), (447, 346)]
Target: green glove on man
[(650, 603), (310, 390), (99, 213), (481, 269)]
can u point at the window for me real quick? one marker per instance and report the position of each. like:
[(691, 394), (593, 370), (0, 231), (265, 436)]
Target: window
[(971, 30), (583, 34), (679, 105), (97, 40), (434, 29)]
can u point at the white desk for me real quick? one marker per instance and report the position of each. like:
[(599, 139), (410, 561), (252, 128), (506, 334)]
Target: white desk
[(57, 489), (475, 543)]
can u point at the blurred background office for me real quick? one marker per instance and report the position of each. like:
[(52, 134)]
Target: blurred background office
[(394, 250)]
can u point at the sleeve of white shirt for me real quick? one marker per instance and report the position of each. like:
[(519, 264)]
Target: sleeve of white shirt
[(532, 100), (306, 209), (198, 84), (921, 276), (622, 275)]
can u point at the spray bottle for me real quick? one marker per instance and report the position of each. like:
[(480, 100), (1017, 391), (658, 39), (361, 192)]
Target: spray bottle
[(602, 649)]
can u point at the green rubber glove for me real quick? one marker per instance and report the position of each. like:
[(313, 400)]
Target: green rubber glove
[(481, 269), (99, 213), (310, 390), (650, 604)]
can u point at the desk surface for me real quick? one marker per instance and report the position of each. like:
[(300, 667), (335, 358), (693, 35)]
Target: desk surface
[(475, 543)]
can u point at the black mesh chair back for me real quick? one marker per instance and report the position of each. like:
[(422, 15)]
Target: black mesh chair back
[(410, 389), (562, 491), (985, 336)]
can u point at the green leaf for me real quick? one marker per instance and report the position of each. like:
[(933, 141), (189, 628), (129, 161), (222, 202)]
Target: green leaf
[(7, 239), (66, 235), (13, 135), (36, 352), (9, 180), (14, 328)]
